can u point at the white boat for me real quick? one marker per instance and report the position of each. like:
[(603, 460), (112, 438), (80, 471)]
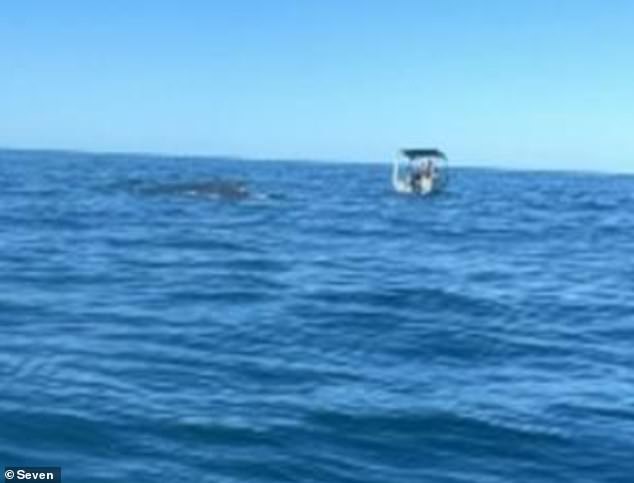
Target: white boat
[(425, 171)]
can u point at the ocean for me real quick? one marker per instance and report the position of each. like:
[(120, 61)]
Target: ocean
[(217, 320)]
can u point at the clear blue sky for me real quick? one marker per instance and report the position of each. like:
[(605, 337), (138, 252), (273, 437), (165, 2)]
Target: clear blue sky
[(508, 83)]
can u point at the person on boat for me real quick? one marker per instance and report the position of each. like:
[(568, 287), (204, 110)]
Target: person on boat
[(424, 177), (415, 178), (428, 170)]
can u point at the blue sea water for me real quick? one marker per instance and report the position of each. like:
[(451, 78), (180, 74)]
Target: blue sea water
[(323, 329)]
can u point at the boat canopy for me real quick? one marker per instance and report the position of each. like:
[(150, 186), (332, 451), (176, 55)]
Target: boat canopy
[(423, 153)]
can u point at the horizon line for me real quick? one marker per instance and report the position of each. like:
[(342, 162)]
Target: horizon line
[(240, 158)]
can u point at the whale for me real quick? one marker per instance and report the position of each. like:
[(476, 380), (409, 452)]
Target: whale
[(217, 188)]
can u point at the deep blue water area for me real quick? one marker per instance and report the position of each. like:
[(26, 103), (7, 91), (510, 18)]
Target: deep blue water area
[(210, 320)]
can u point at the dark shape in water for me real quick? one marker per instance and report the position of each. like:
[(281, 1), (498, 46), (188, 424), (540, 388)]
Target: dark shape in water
[(222, 189)]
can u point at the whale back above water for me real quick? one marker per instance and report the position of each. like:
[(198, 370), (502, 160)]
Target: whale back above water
[(217, 188)]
